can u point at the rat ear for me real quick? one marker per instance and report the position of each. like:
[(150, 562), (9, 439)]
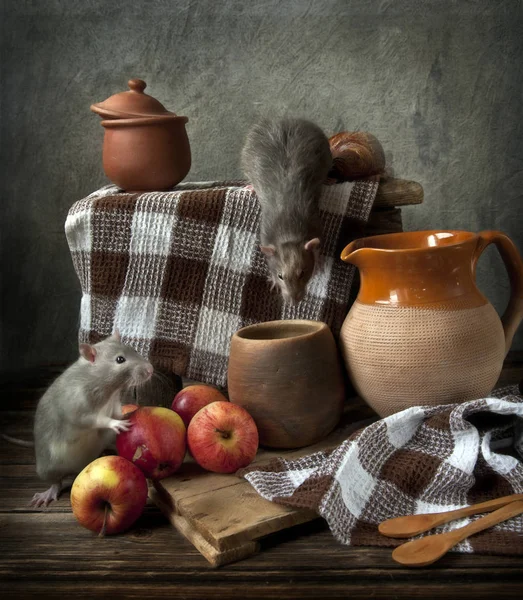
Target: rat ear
[(268, 250), (312, 244), (116, 336), (88, 352)]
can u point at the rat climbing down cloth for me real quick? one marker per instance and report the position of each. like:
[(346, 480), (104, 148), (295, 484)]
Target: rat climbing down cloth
[(178, 272), (421, 460)]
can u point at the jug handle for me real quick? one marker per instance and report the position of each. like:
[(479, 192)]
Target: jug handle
[(511, 258)]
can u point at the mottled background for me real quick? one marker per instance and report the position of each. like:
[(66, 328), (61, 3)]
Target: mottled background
[(438, 82)]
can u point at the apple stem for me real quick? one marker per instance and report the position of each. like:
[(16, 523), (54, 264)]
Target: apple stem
[(225, 434), (103, 530)]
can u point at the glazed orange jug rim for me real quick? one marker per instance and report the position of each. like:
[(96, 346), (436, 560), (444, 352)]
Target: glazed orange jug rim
[(410, 241), (280, 331)]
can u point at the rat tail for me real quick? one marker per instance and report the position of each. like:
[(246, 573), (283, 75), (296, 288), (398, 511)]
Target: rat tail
[(13, 440)]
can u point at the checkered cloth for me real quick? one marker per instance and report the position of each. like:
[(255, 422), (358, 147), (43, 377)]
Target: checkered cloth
[(178, 272), (421, 460)]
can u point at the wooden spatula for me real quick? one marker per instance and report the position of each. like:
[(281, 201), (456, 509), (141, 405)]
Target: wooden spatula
[(404, 527), (426, 550)]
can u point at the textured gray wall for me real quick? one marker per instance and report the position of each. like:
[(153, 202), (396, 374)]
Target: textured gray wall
[(438, 82)]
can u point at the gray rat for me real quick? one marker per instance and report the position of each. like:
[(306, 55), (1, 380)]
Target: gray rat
[(287, 161), (80, 413)]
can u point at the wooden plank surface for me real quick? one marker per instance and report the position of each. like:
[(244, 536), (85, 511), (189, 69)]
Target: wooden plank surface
[(46, 554), (236, 514), (216, 557)]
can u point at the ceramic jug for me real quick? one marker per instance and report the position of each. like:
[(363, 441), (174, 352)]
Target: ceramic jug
[(420, 332)]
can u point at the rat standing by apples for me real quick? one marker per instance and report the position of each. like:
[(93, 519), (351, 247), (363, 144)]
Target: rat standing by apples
[(287, 161), (80, 413)]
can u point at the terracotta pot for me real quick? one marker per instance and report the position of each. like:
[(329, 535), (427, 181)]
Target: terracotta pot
[(288, 376), (420, 332), (146, 147)]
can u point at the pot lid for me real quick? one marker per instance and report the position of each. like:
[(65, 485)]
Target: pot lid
[(133, 103)]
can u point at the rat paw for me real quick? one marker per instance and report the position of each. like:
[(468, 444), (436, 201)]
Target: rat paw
[(45, 498), (119, 426)]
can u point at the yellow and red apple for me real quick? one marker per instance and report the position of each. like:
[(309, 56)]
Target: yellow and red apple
[(188, 401), (155, 442), (129, 408), (109, 495), (222, 437)]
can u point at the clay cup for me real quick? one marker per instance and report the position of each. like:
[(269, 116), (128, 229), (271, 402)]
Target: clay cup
[(288, 376)]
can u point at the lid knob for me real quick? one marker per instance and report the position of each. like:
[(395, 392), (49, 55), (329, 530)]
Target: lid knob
[(137, 85)]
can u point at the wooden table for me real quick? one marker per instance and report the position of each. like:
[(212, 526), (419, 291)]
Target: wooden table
[(45, 553)]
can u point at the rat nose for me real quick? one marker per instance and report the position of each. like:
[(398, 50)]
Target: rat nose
[(149, 369), (295, 299)]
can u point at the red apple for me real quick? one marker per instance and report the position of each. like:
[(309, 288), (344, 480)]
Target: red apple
[(155, 442), (109, 495), (127, 408), (188, 401), (222, 437)]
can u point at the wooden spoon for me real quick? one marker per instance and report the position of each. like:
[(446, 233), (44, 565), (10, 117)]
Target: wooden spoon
[(426, 550), (404, 527)]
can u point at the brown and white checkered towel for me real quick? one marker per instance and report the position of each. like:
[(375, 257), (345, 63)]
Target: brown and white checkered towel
[(421, 460), (178, 272)]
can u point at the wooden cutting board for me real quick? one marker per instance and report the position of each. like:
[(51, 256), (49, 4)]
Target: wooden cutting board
[(222, 515)]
